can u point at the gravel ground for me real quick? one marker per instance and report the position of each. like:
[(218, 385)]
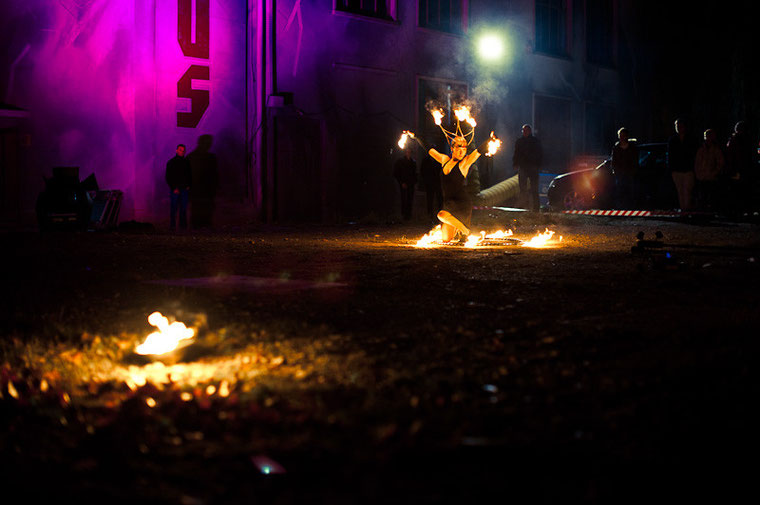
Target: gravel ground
[(349, 367)]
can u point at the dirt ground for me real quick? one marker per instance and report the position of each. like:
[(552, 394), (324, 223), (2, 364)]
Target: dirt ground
[(348, 367)]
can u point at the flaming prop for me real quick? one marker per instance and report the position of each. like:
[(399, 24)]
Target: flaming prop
[(437, 116), (403, 139), (167, 338), (462, 113), (493, 145), (498, 238)]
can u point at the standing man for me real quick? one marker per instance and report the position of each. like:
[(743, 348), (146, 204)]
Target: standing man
[(405, 172), (682, 151), (527, 161), (178, 177), (625, 166)]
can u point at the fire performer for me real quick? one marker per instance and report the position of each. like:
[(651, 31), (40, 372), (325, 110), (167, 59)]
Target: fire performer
[(457, 203)]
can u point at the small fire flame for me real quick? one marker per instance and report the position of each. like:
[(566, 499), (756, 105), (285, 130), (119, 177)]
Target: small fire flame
[(437, 116), (493, 145), (167, 338), (432, 238), (402, 140), (463, 114), (541, 239), (435, 238)]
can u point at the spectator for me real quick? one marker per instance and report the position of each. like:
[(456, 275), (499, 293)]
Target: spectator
[(178, 177), (708, 167), (625, 166), (527, 161), (682, 149)]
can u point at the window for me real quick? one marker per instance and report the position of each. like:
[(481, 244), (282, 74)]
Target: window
[(382, 9), (443, 15), (552, 125), (600, 128), (551, 27), (600, 32)]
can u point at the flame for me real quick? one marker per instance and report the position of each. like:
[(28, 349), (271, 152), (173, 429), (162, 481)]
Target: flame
[(493, 145), (463, 113), (434, 238), (541, 239), (500, 234), (473, 240), (167, 338), (402, 140), (437, 116)]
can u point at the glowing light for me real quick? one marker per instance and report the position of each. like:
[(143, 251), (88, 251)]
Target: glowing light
[(150, 402), (491, 47), (167, 338), (12, 390)]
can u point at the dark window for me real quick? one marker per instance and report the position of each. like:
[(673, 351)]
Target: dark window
[(383, 9), (600, 38), (443, 15), (601, 131), (552, 127), (551, 27)]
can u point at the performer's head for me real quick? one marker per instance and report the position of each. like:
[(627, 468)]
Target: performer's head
[(458, 147)]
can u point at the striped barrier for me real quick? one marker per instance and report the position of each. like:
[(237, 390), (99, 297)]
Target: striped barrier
[(626, 213)]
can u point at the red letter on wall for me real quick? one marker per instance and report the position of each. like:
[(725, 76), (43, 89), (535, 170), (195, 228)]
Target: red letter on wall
[(198, 97), (199, 48)]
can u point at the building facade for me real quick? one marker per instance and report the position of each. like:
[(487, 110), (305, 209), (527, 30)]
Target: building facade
[(304, 100)]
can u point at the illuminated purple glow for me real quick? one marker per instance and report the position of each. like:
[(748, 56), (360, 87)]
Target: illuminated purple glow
[(100, 82)]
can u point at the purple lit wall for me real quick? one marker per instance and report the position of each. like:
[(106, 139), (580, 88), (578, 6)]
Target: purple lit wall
[(112, 86)]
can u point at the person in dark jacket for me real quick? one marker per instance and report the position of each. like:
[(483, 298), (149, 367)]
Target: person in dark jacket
[(625, 166), (178, 178), (682, 151), (405, 172), (527, 161)]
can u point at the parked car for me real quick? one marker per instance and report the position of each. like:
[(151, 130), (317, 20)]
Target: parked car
[(594, 188)]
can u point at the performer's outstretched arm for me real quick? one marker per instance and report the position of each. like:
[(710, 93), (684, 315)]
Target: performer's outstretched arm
[(439, 157)]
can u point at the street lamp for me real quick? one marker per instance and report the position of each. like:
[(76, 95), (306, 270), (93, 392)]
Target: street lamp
[(491, 47)]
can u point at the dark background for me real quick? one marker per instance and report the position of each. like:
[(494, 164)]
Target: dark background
[(698, 62)]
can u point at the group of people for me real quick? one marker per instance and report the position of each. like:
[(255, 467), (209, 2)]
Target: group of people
[(448, 191), (706, 176), (193, 181)]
